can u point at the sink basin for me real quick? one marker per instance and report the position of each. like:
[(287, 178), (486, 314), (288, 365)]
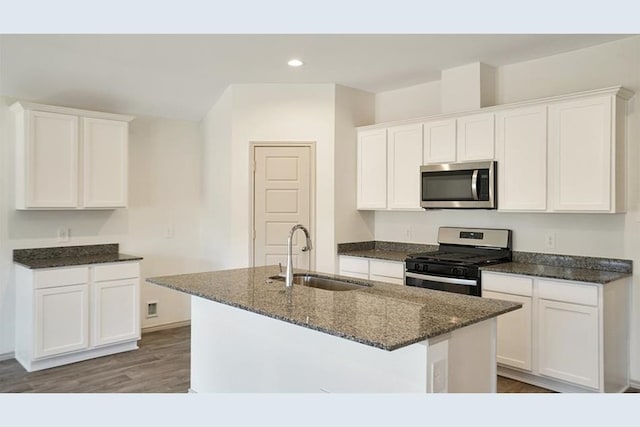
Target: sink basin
[(322, 282)]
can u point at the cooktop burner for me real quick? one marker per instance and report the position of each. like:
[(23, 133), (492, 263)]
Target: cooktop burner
[(462, 257)]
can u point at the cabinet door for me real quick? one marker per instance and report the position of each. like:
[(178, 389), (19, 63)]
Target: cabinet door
[(51, 158), (568, 342), (105, 163), (580, 138), (521, 142), (372, 169), (61, 320), (475, 138), (116, 311), (404, 158), (514, 332), (439, 142)]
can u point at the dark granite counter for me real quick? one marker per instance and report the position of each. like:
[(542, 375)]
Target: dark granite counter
[(556, 266), (389, 251), (555, 272), (383, 315), (65, 256), (566, 267)]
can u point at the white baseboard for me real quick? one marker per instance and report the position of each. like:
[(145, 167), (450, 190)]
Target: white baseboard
[(7, 356), (635, 384), (166, 326)]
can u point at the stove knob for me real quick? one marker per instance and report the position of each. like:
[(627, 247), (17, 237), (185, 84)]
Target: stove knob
[(425, 267), (459, 271)]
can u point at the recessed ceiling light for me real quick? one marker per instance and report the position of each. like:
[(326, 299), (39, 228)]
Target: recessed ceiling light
[(295, 63)]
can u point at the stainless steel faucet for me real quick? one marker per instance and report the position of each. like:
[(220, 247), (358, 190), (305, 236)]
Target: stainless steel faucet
[(288, 280)]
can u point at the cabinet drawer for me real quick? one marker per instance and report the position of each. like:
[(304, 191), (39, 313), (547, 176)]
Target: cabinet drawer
[(386, 269), (355, 265), (584, 294), (61, 277), (116, 271), (387, 279), (515, 285)]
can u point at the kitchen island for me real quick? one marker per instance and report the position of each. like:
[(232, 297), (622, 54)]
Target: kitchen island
[(250, 334)]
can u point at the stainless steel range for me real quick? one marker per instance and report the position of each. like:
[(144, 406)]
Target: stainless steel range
[(455, 266)]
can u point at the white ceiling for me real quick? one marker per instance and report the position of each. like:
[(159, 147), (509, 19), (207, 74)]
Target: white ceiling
[(181, 76)]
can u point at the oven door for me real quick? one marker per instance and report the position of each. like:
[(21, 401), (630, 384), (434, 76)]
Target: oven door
[(439, 283), (458, 185)]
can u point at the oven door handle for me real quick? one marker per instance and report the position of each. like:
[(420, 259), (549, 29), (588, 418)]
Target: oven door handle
[(474, 184), (466, 282)]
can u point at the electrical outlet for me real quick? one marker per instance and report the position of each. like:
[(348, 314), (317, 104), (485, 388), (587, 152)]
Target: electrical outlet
[(168, 231), (550, 240), (439, 376), (63, 234), (408, 233)]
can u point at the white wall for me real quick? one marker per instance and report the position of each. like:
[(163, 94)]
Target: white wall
[(164, 179), (616, 63), (272, 113), (406, 103), (216, 133), (353, 108)]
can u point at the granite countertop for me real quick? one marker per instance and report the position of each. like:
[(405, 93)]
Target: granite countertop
[(66, 256), (555, 266), (566, 267), (389, 251), (558, 272), (383, 315)]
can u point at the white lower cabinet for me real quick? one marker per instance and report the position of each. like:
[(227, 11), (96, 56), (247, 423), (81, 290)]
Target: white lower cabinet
[(568, 336), (568, 344), (514, 332), (64, 315), (116, 311), (61, 320), (372, 269)]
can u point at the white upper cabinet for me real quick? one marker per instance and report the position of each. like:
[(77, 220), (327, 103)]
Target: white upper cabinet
[(404, 161), (372, 169), (560, 154), (583, 148), (521, 143), (48, 160), (439, 143), (475, 137), (70, 159), (105, 163)]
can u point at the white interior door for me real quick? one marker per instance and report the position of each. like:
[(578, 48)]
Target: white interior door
[(282, 199)]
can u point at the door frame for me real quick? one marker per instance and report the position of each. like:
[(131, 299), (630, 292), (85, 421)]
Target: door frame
[(312, 193)]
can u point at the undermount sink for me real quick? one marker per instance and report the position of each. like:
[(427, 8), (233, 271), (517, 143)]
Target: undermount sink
[(322, 282)]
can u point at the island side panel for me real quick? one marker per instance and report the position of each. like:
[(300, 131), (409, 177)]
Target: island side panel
[(472, 358), (233, 350)]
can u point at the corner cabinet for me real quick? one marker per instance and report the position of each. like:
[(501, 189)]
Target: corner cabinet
[(70, 159), (389, 168), (372, 169), (569, 336), (69, 314)]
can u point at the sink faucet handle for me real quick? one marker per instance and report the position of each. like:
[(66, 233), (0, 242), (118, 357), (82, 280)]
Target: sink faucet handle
[(280, 265)]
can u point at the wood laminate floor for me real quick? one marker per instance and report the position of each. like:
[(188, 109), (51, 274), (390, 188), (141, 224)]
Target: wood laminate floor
[(160, 365)]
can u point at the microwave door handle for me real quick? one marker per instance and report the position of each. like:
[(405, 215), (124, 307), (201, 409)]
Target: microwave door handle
[(474, 184)]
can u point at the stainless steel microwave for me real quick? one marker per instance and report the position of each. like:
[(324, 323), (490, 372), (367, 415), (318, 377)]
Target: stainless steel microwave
[(459, 186)]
